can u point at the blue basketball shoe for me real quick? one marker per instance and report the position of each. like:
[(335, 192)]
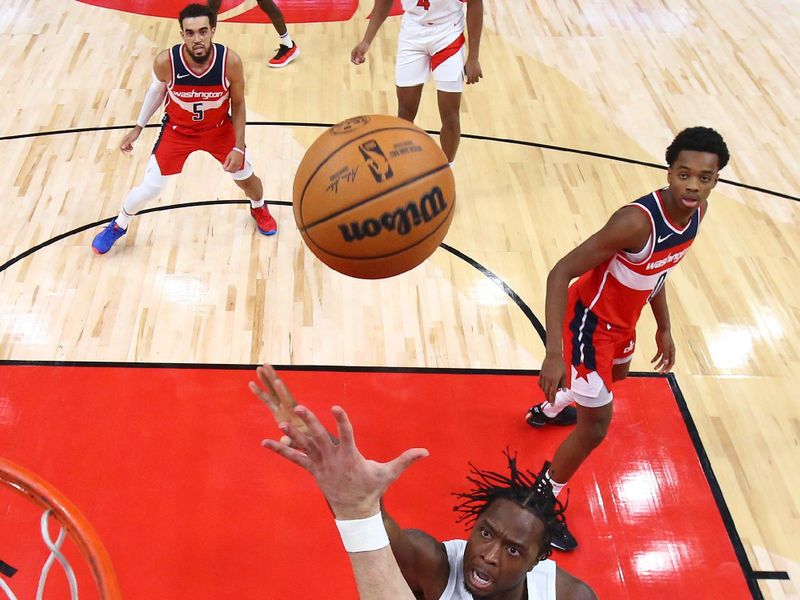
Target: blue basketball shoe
[(105, 239)]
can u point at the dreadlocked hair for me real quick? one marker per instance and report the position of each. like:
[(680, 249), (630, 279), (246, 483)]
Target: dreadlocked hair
[(529, 490)]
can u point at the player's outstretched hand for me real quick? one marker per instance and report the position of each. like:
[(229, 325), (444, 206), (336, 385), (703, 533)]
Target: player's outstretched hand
[(359, 53), (352, 484), (127, 142), (276, 396)]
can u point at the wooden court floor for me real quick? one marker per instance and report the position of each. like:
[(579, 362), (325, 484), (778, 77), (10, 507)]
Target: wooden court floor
[(579, 84)]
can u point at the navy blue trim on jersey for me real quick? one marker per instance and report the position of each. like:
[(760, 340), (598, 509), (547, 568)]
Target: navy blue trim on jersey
[(582, 326), (164, 121), (215, 75), (666, 235)]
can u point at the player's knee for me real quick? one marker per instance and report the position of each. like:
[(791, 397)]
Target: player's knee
[(593, 432), (451, 120)]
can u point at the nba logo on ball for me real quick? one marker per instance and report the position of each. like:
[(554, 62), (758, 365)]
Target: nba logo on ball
[(373, 196)]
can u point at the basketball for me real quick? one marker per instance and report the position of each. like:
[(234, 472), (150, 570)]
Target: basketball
[(373, 196)]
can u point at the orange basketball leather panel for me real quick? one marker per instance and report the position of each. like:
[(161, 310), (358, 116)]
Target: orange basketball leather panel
[(393, 221), (348, 165), (387, 264)]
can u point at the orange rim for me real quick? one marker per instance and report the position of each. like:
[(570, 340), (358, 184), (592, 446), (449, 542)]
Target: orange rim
[(67, 514)]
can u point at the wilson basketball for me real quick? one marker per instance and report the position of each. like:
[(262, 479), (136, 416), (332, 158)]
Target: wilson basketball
[(373, 196)]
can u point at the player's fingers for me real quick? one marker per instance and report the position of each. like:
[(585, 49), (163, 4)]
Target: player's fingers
[(670, 360), (655, 357), (265, 397), (551, 392), (317, 434), (268, 377), (343, 426), (543, 385), (288, 453), (405, 460), (283, 394), (298, 438)]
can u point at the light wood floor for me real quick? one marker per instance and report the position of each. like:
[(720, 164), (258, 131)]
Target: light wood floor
[(619, 77)]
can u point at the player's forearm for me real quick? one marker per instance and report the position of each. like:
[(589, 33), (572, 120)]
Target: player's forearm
[(380, 11), (239, 119), (378, 577), (555, 307), (153, 99), (474, 27), (658, 304)]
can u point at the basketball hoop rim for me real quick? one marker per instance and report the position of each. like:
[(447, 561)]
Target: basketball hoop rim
[(46, 496)]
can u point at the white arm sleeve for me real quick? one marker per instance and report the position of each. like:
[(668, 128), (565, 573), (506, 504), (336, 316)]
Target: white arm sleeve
[(152, 100)]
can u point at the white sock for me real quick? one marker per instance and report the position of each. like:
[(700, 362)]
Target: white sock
[(286, 39), (557, 487), (257, 203), (124, 219), (453, 165), (563, 399)]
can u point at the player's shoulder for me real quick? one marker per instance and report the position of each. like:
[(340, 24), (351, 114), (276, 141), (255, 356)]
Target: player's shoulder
[(631, 215), (162, 64), (233, 62), (569, 587)]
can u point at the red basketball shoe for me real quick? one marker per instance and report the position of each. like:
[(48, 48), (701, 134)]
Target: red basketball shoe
[(284, 56), (264, 221)]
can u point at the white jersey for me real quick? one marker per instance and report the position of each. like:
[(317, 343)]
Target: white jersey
[(433, 12), (541, 579)]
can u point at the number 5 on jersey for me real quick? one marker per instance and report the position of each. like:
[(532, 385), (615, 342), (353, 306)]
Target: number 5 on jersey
[(197, 110), (426, 4)]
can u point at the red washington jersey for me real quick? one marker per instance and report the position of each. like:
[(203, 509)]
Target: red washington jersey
[(197, 103), (617, 289)]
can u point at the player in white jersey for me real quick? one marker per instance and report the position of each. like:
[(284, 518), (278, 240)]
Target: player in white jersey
[(432, 41), (514, 515)]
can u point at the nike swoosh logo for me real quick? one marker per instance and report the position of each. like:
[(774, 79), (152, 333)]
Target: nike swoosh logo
[(182, 76), (661, 239)]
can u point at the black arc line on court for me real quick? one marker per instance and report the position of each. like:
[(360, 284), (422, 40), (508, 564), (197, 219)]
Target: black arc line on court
[(470, 136), (526, 310)]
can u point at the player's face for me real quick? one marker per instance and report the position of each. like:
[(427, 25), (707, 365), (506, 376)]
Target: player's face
[(691, 179), (502, 548), (197, 34)]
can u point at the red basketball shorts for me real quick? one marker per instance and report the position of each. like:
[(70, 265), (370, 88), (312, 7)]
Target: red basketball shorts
[(174, 147), (592, 347)]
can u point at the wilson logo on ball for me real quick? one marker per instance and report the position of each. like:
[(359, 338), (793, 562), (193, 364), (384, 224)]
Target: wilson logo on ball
[(401, 221), (376, 160)]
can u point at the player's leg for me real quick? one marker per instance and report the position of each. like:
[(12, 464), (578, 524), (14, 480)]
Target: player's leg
[(449, 111), (408, 99), (412, 70), (623, 354), (288, 49), (218, 143), (594, 417), (253, 188), (168, 158), (447, 66)]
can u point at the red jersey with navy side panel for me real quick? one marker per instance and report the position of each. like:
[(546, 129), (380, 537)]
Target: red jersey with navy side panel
[(197, 103), (617, 289)]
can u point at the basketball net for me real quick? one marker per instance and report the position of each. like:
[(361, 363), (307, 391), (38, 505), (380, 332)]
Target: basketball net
[(55, 555)]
